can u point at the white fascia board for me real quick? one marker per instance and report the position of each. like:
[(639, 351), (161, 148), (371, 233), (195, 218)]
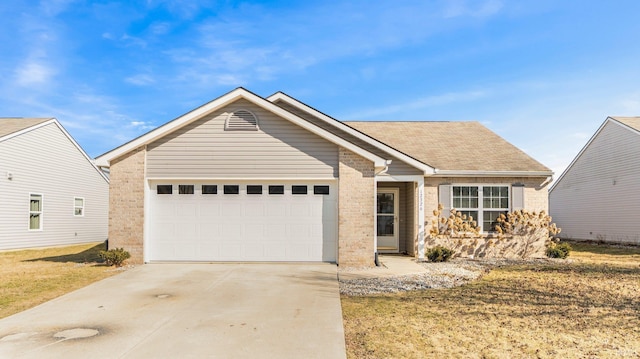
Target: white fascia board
[(428, 170), (566, 170), (105, 159), (454, 173)]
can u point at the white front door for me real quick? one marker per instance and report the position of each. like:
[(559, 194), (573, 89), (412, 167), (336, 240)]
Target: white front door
[(387, 220)]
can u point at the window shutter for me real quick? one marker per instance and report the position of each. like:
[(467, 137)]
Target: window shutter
[(444, 198), (517, 197)]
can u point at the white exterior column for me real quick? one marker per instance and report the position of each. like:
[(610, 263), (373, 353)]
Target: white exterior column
[(421, 233)]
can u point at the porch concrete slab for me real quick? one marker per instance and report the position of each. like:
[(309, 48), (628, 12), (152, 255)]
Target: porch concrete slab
[(390, 266), (188, 311)]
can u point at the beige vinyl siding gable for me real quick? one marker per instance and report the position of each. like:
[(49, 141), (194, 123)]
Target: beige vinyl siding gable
[(279, 149), (598, 198), (397, 167), (45, 161)]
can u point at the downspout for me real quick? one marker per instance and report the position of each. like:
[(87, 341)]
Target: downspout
[(546, 181), (385, 169)]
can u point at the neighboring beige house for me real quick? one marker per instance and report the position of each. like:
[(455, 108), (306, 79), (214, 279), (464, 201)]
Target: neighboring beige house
[(598, 195), (246, 178), (50, 191)]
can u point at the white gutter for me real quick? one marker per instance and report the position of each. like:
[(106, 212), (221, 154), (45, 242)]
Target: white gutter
[(385, 169)]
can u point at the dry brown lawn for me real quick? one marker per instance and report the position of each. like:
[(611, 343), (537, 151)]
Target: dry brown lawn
[(34, 276), (588, 307)]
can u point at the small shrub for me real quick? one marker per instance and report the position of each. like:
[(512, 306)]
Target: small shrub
[(558, 250), (114, 256), (439, 254)]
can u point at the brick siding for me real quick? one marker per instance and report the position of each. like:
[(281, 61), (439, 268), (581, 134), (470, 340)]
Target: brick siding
[(126, 204), (356, 202)]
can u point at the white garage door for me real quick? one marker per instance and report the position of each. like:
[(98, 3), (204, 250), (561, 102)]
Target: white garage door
[(231, 221)]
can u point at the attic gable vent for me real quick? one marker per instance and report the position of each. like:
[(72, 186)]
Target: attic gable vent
[(242, 120)]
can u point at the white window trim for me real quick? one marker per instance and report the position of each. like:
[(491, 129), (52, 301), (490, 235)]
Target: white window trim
[(480, 209), (74, 206), (41, 212)]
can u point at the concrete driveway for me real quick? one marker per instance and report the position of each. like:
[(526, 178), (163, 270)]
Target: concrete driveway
[(188, 311)]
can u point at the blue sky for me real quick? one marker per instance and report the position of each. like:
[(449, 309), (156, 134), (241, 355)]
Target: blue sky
[(542, 74)]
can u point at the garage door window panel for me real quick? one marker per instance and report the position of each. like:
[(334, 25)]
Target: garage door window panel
[(185, 189), (323, 190), (164, 189), (209, 189), (253, 189), (298, 189), (231, 189), (278, 189)]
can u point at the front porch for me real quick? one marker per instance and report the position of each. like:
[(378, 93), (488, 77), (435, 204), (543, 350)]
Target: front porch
[(399, 208)]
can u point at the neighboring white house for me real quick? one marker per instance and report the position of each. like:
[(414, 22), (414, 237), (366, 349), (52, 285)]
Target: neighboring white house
[(51, 193), (598, 195)]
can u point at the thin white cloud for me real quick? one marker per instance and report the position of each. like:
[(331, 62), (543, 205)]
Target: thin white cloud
[(33, 72), (402, 109), (140, 80), (461, 8)]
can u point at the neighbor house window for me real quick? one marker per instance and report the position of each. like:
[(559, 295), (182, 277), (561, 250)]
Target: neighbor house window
[(78, 206), (483, 203), (35, 212)]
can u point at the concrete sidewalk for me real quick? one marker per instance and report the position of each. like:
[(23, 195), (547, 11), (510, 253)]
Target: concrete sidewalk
[(188, 311), (390, 266)]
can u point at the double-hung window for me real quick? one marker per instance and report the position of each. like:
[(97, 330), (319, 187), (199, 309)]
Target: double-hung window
[(35, 212), (78, 206), (483, 203)]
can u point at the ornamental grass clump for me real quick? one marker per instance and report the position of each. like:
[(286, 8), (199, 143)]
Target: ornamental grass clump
[(456, 225), (528, 227)]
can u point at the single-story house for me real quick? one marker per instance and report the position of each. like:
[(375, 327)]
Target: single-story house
[(247, 178), (51, 193), (598, 195)]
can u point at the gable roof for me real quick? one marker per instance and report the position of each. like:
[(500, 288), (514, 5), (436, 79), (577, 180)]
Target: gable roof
[(239, 93), (630, 123), (11, 125), (343, 130), (455, 148)]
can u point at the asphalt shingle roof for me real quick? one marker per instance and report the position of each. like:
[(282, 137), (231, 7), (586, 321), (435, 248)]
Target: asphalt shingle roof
[(633, 122), (9, 125), (451, 145)]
